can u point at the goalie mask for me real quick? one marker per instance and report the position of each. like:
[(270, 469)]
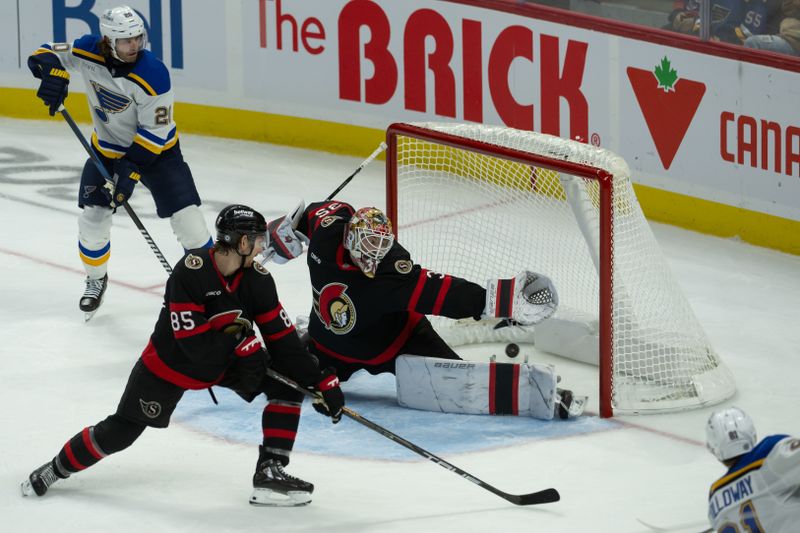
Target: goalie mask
[(730, 433), (368, 237), (122, 22)]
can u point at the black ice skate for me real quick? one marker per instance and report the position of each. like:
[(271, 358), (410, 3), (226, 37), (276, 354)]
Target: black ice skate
[(93, 295), (274, 487), (568, 405), (40, 480)]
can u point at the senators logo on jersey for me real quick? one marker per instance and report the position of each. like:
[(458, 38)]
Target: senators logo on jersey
[(230, 322), (335, 308)]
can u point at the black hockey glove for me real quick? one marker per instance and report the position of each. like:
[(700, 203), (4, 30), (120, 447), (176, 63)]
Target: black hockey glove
[(330, 396), (53, 88), (126, 176), (251, 363)]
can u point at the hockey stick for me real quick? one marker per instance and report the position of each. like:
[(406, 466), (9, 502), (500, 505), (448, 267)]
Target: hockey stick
[(110, 184), (674, 527), (533, 498), (366, 162)]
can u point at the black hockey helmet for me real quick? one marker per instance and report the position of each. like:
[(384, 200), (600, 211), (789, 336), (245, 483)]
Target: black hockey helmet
[(237, 220)]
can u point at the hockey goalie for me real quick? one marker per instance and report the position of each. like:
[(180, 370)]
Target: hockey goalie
[(370, 301)]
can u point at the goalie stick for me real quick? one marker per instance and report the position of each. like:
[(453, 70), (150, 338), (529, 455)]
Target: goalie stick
[(532, 498), (110, 183), (366, 162)]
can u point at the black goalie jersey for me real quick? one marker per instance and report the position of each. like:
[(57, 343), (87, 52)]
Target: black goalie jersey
[(188, 346), (364, 320)]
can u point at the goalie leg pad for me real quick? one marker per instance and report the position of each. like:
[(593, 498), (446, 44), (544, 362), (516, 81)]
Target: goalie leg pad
[(473, 387)]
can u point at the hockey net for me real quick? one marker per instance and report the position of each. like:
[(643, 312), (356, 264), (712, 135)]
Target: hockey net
[(483, 202)]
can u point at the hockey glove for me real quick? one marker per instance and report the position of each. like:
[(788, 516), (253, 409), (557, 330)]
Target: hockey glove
[(284, 242), (330, 398), (252, 361), (126, 176), (53, 88), (528, 298)]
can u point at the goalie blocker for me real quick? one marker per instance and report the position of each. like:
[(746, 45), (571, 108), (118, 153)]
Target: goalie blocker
[(473, 387)]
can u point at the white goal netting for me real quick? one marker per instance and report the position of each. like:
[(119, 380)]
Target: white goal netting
[(475, 211)]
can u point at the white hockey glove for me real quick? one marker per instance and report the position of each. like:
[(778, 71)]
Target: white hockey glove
[(285, 243), (528, 298)]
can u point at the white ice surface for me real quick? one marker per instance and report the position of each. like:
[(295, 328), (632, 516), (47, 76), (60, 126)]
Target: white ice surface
[(58, 375)]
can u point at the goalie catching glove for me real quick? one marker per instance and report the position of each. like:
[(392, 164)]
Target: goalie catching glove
[(285, 243), (330, 399), (527, 298)]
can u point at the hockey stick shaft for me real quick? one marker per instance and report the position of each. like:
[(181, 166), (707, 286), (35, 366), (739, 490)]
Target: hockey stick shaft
[(675, 527), (544, 496), (109, 181), (366, 162)]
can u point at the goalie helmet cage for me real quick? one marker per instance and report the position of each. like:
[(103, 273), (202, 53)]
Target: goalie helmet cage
[(483, 202)]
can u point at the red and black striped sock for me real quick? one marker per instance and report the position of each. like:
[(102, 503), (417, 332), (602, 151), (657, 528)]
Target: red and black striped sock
[(279, 423)]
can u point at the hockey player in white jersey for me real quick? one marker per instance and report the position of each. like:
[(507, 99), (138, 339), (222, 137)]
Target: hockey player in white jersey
[(760, 492), (131, 103)]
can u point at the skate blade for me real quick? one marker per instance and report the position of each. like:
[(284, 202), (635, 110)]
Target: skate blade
[(578, 406), (270, 498), (27, 488), (87, 315)]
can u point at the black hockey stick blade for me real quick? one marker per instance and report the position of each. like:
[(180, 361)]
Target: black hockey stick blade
[(535, 498)]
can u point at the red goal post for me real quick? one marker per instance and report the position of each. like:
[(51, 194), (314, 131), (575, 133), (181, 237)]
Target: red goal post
[(483, 202)]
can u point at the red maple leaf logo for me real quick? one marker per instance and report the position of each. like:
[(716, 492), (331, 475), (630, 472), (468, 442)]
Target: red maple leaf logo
[(668, 104)]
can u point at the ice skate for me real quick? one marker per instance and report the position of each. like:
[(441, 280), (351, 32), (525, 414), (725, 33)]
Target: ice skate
[(274, 487), (40, 480), (93, 296), (568, 405)]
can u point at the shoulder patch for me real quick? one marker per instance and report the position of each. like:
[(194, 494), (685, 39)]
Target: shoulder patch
[(195, 262), (328, 220), (403, 266), (261, 269)]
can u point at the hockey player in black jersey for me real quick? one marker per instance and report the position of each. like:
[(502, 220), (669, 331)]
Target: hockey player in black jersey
[(370, 300), (205, 336)]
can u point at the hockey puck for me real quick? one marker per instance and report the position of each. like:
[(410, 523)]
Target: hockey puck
[(512, 350)]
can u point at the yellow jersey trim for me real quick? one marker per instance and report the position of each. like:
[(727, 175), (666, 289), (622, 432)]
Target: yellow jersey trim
[(148, 145), (755, 465), (143, 83), (111, 154), (88, 54)]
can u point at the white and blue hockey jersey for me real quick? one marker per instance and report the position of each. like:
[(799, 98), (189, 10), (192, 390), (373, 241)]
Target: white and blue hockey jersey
[(131, 104), (760, 493)]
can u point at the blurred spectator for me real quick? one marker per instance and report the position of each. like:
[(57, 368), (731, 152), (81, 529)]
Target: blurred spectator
[(732, 21), (787, 40)]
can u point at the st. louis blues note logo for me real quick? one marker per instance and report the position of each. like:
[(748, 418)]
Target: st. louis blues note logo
[(335, 308), (110, 101)]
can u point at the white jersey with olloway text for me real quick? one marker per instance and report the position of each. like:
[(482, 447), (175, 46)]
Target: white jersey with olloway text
[(131, 105), (760, 493)]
